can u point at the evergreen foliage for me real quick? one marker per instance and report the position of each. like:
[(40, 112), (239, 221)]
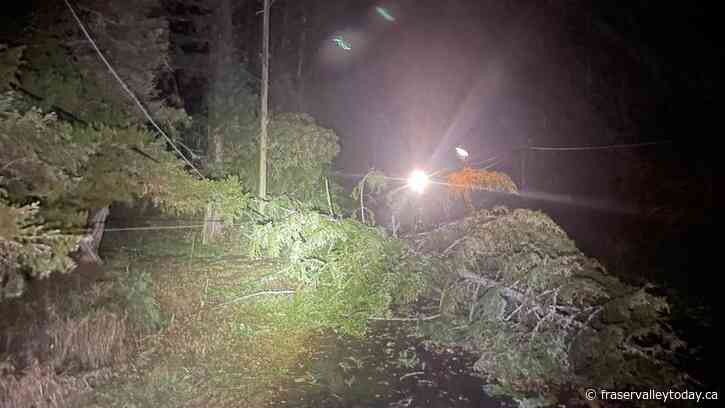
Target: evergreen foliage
[(52, 173), (10, 61), (299, 153), (345, 271), (141, 306), (65, 71), (29, 247), (231, 118), (543, 316)]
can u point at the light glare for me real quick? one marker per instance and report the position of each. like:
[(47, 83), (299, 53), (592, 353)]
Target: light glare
[(418, 181), (385, 13), (462, 153)]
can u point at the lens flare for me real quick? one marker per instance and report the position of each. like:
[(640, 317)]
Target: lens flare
[(418, 181), (461, 152), (384, 13), (342, 43)]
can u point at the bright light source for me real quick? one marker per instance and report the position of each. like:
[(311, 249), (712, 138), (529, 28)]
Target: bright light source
[(418, 181), (462, 153)]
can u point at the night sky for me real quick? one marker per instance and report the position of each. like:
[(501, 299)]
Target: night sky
[(493, 76)]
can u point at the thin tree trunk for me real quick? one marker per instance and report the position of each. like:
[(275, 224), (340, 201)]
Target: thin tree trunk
[(222, 58), (300, 62), (265, 102), (218, 150), (212, 226)]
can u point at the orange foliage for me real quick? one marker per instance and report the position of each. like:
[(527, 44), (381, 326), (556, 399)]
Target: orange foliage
[(469, 179)]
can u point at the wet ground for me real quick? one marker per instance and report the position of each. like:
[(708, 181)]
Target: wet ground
[(391, 367)]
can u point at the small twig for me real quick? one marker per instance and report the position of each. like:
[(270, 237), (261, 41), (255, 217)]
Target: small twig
[(443, 296), (474, 302), (266, 292), (506, 319), (546, 293), (411, 375), (453, 245), (362, 205), (536, 328), (589, 319), (12, 162), (406, 319), (191, 255), (206, 290), (329, 200)]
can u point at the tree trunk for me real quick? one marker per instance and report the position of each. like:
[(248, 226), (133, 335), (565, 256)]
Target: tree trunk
[(90, 242), (218, 149), (264, 102), (300, 62), (222, 57)]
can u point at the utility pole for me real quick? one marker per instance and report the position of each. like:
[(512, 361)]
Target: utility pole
[(265, 105)]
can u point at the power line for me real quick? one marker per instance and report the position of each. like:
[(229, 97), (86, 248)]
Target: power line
[(605, 147), (125, 87), (145, 228), (153, 228)]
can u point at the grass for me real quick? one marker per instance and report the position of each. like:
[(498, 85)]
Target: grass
[(160, 325), (167, 322), (63, 337), (210, 350)]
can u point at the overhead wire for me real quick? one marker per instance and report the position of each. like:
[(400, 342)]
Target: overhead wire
[(148, 116), (125, 87), (604, 147), (153, 228)]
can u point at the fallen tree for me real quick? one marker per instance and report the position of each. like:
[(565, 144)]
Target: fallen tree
[(546, 320)]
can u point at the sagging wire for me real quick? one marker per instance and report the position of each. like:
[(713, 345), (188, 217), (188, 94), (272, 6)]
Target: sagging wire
[(604, 147), (153, 228)]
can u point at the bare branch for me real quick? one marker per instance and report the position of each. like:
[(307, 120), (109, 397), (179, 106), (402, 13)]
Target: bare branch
[(265, 292), (406, 319)]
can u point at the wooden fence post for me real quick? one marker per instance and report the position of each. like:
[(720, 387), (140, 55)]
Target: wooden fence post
[(212, 227)]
